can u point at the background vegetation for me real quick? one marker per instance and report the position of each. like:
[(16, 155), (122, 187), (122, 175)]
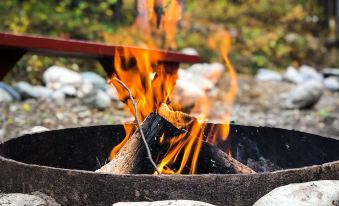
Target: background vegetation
[(267, 33)]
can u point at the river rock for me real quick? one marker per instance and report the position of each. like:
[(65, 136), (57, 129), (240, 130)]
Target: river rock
[(196, 79), (212, 72), (332, 83), (292, 75), (268, 75), (327, 72), (97, 98), (28, 91), (164, 203), (10, 90), (308, 73), (189, 51), (320, 193), (55, 77), (187, 94), (303, 96), (96, 80), (112, 92), (5, 96)]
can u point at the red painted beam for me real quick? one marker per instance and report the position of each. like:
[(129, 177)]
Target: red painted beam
[(75, 48)]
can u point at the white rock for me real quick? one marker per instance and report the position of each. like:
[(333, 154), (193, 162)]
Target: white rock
[(186, 93), (85, 88), (196, 79), (4, 96), (96, 80), (36, 129), (332, 83), (16, 199), (56, 77), (212, 72), (330, 72), (292, 75), (58, 97), (164, 203), (320, 193), (189, 51), (69, 90), (305, 95), (97, 98), (268, 75), (309, 73), (112, 92)]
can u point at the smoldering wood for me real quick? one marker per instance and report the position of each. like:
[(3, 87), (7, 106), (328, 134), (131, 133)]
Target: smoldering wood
[(132, 157), (213, 160)]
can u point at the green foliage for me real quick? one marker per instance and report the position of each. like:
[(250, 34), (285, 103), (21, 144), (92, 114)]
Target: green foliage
[(267, 33)]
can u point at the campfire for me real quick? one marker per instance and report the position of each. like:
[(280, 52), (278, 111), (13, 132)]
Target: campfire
[(170, 140)]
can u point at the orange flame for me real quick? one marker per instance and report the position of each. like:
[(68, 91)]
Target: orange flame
[(151, 86)]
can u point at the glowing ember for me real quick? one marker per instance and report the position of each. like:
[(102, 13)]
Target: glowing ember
[(152, 86)]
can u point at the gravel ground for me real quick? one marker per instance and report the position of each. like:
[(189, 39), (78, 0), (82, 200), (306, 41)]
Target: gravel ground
[(257, 104)]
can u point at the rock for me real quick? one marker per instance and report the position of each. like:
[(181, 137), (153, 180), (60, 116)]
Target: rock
[(55, 77), (303, 96), (112, 92), (332, 83), (187, 94), (10, 90), (308, 73), (5, 96), (164, 203), (212, 72), (327, 72), (85, 88), (268, 75), (28, 91), (15, 199), (189, 51), (96, 80), (292, 75), (97, 98), (69, 90), (58, 97), (196, 79), (36, 129), (323, 192)]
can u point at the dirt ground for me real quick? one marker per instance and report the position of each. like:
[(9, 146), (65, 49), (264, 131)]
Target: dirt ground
[(257, 103)]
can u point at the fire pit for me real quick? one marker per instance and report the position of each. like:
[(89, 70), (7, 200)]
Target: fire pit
[(60, 163)]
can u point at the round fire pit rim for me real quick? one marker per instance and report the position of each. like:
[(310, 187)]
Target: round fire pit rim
[(22, 164)]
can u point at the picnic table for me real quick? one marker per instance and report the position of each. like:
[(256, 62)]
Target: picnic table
[(13, 47)]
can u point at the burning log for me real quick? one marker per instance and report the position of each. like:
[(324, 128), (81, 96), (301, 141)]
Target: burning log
[(131, 157)]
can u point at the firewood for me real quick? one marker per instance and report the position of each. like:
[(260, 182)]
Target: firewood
[(213, 160), (132, 158)]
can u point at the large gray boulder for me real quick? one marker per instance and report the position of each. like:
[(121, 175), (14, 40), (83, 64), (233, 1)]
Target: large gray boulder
[(320, 193), (303, 96), (164, 203)]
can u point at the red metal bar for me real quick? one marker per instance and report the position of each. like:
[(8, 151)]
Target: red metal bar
[(76, 48)]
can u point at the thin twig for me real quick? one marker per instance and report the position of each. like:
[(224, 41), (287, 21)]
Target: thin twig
[(139, 124)]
